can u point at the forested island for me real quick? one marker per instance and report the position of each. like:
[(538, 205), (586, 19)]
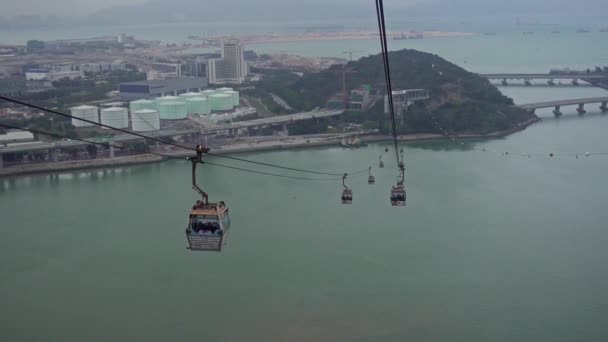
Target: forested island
[(461, 102)]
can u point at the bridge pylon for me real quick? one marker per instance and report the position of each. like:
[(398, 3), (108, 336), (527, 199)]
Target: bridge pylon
[(581, 109), (557, 112)]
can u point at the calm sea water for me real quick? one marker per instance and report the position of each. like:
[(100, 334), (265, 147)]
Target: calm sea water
[(489, 248)]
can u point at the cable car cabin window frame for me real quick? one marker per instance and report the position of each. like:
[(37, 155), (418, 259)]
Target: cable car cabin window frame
[(214, 213), (347, 201), (397, 203)]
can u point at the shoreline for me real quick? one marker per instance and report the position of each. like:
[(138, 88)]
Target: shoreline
[(285, 143)]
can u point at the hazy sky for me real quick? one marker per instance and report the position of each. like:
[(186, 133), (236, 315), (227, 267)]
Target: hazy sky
[(60, 7), (442, 7)]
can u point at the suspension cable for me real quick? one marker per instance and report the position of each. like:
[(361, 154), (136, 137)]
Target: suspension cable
[(163, 141), (387, 74), (273, 165), (83, 140), (166, 155), (270, 174), (92, 122)]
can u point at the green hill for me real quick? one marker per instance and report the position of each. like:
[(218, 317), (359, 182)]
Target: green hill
[(461, 101)]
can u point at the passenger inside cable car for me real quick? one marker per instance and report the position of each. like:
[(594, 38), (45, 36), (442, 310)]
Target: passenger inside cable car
[(347, 196), (208, 226), (398, 196)]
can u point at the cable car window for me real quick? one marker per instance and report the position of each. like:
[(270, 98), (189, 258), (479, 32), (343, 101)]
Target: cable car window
[(205, 225)]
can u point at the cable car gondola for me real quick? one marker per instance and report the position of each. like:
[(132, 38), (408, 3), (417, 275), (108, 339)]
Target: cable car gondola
[(208, 223), (347, 194), (371, 179), (381, 163), (398, 194)]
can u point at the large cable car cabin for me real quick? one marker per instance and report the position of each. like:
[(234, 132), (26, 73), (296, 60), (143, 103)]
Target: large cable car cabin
[(371, 179), (208, 223), (347, 194)]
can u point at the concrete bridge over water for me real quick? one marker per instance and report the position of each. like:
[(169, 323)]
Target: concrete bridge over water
[(557, 104), (595, 79)]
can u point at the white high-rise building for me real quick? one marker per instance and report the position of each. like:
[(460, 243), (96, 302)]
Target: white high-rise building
[(231, 68)]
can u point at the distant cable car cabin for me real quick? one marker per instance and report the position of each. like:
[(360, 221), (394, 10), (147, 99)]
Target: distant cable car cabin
[(381, 163), (208, 223), (398, 194), (386, 149), (371, 179), (347, 194)]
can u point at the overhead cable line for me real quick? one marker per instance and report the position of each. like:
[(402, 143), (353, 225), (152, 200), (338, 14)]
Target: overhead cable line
[(272, 165), (26, 104), (270, 174), (166, 155), (82, 140), (387, 73), (52, 111)]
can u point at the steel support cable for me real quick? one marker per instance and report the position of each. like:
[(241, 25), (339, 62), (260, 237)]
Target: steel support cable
[(82, 140), (269, 174), (387, 76), (162, 141), (93, 122), (164, 155)]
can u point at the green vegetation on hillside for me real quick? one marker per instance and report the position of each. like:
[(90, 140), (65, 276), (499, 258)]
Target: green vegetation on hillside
[(461, 101)]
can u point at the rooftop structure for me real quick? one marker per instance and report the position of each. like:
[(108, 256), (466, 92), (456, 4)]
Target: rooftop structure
[(16, 137), (155, 88)]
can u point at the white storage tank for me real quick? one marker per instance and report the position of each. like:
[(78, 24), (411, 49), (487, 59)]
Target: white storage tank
[(142, 104), (234, 95), (198, 105), (90, 113), (145, 120), (115, 117), (220, 102), (172, 110)]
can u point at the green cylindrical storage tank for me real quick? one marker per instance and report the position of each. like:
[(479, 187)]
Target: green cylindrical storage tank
[(207, 92), (197, 105), (142, 104), (115, 117), (166, 98), (90, 113), (185, 96), (172, 110), (144, 120), (220, 102), (234, 95)]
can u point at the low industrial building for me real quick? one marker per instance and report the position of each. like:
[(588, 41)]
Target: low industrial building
[(155, 88), (11, 137), (51, 75)]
